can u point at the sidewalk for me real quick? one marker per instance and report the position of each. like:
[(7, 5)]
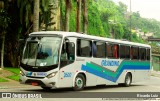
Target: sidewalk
[(12, 84), (155, 73)]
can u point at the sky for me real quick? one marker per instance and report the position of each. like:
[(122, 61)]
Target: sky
[(146, 8)]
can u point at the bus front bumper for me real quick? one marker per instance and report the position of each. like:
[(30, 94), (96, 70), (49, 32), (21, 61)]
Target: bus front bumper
[(43, 82)]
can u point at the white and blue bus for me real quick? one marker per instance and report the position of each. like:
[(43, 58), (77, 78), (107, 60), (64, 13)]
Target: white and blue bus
[(54, 59)]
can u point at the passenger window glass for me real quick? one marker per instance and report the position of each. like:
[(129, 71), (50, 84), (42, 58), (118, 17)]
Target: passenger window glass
[(148, 54), (142, 53), (98, 49), (124, 51), (134, 53), (84, 48), (127, 51), (113, 50), (67, 54)]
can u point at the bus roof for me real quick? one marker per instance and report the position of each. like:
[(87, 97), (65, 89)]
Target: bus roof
[(83, 35)]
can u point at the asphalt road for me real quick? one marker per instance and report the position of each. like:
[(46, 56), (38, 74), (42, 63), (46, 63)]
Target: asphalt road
[(152, 85)]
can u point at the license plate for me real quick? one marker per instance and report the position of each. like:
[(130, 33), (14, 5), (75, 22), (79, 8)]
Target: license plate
[(37, 74), (41, 74)]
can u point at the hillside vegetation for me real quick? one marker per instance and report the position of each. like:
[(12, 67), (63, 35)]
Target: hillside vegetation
[(105, 18)]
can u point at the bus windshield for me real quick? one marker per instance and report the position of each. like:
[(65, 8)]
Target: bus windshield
[(41, 51)]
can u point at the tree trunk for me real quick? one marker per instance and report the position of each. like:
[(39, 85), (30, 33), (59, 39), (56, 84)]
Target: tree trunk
[(68, 4), (62, 19), (12, 54), (36, 16), (78, 19), (2, 50), (85, 16), (55, 15)]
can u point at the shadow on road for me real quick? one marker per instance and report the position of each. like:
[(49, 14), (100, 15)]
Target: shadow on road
[(40, 90), (99, 87), (70, 90)]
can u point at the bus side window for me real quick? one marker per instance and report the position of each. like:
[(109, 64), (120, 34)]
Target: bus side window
[(67, 54), (122, 51), (94, 49), (127, 52), (84, 48), (135, 53), (99, 50), (131, 52), (71, 51), (148, 54), (113, 51), (143, 54), (109, 50), (116, 51)]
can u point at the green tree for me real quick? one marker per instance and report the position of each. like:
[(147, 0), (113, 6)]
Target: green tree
[(85, 15), (5, 20), (95, 25), (105, 15), (67, 14), (45, 13), (26, 15), (26, 8), (122, 8), (78, 17), (36, 16)]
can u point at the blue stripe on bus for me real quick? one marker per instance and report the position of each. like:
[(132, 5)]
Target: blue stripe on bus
[(122, 68), (97, 73)]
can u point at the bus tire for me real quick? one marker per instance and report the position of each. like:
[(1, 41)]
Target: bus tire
[(128, 80), (79, 82), (46, 88)]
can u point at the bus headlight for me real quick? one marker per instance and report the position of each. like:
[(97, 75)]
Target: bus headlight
[(21, 73), (51, 75)]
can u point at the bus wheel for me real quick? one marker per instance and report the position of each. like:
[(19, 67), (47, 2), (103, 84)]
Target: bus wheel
[(79, 82), (46, 88), (128, 80)]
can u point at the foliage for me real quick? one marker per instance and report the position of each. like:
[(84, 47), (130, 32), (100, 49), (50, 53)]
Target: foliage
[(95, 24), (3, 80), (26, 11), (4, 19), (15, 71), (145, 25), (45, 14), (14, 77), (105, 18), (4, 23)]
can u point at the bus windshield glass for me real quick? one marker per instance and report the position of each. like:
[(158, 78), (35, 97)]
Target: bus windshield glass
[(41, 51)]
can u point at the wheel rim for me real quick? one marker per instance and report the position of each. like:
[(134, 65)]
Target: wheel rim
[(79, 83), (128, 80)]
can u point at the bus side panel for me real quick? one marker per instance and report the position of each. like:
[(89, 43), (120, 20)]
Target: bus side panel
[(101, 74), (121, 77), (140, 75), (91, 80), (137, 75), (66, 75)]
